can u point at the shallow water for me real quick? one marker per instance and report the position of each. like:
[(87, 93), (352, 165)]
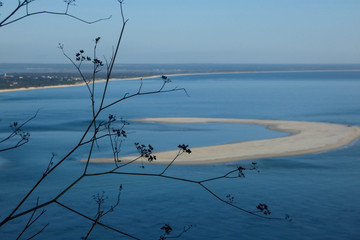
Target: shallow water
[(319, 191)]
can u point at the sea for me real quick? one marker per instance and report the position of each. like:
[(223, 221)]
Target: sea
[(320, 191)]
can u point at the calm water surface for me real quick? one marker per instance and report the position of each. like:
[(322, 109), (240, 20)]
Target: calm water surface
[(319, 191)]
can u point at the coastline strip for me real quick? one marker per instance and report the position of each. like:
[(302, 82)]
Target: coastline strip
[(178, 74), (305, 137)]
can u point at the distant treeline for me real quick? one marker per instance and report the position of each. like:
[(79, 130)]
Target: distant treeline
[(27, 80), (13, 76)]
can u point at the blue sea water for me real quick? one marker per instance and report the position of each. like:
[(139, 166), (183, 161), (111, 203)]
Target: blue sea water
[(319, 191)]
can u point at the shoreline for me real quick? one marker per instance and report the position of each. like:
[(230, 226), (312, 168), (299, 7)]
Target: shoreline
[(175, 75), (304, 138)]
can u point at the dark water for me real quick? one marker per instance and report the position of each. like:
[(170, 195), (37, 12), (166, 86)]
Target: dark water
[(319, 191)]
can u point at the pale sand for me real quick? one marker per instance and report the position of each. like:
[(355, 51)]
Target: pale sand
[(305, 137), (174, 75)]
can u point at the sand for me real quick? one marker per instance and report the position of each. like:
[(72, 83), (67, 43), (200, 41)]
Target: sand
[(174, 75), (305, 137)]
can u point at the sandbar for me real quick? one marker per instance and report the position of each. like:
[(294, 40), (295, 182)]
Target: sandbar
[(304, 137)]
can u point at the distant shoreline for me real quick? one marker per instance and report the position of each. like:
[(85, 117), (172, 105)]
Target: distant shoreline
[(178, 74), (305, 137)]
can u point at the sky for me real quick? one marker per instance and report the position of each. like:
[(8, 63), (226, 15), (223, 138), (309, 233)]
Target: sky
[(190, 31)]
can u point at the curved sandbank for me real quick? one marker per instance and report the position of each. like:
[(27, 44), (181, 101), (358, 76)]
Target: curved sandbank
[(305, 137)]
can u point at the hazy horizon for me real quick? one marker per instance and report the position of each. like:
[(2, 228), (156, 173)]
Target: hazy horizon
[(186, 63), (230, 32)]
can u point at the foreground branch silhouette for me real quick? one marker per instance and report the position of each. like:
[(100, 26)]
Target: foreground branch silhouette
[(100, 129), (18, 137), (26, 12), (23, 10)]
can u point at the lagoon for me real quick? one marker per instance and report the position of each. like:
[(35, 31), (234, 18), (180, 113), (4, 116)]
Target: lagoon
[(319, 191)]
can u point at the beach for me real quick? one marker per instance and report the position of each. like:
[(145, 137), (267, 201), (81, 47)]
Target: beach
[(176, 75), (304, 137)]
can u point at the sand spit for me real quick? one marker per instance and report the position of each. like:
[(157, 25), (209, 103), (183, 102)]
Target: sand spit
[(305, 137), (175, 75)]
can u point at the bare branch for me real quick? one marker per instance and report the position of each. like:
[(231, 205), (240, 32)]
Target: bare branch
[(112, 62), (31, 221), (17, 130), (26, 3), (94, 220), (183, 149), (168, 230), (127, 96), (99, 129)]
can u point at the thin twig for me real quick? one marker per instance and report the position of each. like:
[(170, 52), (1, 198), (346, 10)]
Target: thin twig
[(31, 221), (17, 130), (26, 3), (93, 220)]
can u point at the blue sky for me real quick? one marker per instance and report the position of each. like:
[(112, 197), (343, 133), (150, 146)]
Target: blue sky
[(192, 31)]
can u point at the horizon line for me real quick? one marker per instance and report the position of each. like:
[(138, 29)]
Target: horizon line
[(188, 63)]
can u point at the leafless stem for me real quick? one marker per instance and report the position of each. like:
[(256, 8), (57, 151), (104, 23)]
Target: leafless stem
[(112, 62), (177, 155), (92, 227), (17, 130), (31, 221), (27, 13), (97, 130), (61, 46), (93, 220)]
